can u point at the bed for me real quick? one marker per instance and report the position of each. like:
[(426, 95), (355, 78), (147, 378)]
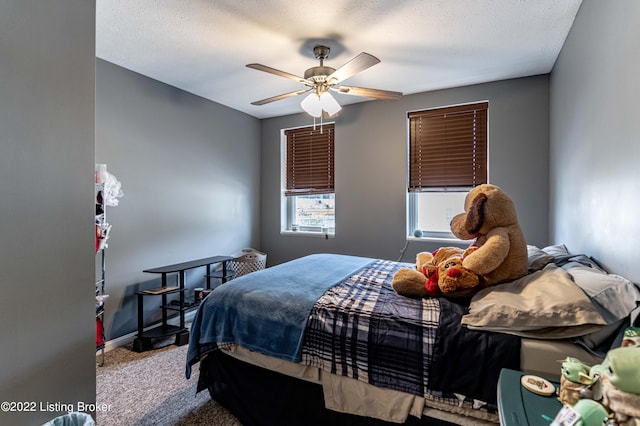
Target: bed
[(324, 339)]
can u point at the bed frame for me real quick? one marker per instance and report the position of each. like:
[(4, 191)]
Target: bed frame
[(261, 397)]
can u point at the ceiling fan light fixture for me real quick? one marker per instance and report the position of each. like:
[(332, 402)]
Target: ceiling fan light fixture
[(312, 105), (329, 104)]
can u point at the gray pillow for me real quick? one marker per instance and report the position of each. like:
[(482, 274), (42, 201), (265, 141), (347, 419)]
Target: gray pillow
[(556, 250), (559, 252), (583, 260), (537, 259), (614, 296), (546, 304)]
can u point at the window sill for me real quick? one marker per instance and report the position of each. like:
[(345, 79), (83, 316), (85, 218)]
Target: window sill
[(438, 240), (308, 234)]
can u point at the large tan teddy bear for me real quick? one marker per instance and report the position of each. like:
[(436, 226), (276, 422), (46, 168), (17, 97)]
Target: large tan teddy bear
[(490, 217)]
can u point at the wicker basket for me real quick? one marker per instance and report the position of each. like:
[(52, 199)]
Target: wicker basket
[(248, 260)]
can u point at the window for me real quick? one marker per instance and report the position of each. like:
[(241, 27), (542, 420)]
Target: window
[(308, 195), (447, 157)]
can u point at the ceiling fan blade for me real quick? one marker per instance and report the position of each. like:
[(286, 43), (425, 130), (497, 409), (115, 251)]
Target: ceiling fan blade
[(278, 97), (354, 66), (274, 71), (368, 93)]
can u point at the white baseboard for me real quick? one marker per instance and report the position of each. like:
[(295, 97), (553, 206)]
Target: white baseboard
[(128, 338)]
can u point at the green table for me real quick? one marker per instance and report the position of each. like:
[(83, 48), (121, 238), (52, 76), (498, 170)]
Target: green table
[(520, 406)]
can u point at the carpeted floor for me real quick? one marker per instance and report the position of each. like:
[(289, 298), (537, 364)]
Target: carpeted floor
[(150, 388)]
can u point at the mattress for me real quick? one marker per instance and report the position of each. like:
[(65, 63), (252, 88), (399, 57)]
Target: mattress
[(542, 357)]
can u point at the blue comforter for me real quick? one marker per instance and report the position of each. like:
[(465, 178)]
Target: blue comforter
[(267, 311)]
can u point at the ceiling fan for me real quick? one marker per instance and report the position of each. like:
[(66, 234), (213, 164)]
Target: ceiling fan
[(320, 80)]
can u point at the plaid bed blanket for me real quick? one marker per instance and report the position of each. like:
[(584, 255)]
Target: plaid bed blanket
[(363, 329)]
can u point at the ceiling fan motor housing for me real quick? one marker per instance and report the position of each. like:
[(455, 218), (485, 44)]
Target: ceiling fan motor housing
[(318, 74)]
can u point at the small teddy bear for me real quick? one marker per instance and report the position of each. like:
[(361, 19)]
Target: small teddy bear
[(437, 274)]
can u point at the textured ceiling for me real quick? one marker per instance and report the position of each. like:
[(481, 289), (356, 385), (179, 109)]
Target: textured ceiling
[(202, 46)]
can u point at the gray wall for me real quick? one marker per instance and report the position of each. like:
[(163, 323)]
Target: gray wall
[(190, 173), (595, 125), (47, 330), (190, 179), (371, 152)]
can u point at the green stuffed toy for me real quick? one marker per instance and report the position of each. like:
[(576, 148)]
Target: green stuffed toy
[(621, 367), (576, 371), (591, 413), (620, 384), (575, 381)]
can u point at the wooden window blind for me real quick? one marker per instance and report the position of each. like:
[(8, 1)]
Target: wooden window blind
[(310, 160), (448, 148)]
